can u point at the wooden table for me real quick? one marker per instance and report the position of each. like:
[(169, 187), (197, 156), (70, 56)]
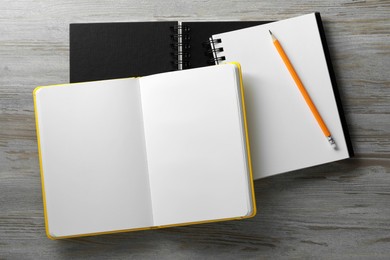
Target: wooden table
[(338, 210)]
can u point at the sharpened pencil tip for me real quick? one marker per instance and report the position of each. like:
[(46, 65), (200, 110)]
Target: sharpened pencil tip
[(273, 37)]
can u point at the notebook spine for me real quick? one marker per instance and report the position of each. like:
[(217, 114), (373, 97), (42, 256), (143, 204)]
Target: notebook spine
[(181, 47), (214, 51)]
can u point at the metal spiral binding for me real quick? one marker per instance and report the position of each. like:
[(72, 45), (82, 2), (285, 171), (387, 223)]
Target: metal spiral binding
[(181, 47), (213, 51), (184, 37), (175, 45), (183, 54)]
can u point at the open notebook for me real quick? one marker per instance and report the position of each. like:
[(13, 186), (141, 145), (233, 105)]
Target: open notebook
[(144, 153), (284, 133)]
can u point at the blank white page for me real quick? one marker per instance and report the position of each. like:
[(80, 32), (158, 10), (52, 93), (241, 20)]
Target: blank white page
[(284, 134), (195, 146), (93, 157)]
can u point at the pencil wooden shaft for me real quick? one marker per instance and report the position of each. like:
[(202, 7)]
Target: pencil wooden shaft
[(301, 88)]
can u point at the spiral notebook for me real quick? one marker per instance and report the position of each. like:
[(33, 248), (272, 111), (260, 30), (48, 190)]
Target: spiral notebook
[(101, 51), (284, 133), (144, 153)]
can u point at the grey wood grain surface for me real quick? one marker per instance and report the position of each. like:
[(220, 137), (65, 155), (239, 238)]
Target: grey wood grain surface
[(338, 210)]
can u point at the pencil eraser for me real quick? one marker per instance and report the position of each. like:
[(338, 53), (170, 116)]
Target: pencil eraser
[(332, 142)]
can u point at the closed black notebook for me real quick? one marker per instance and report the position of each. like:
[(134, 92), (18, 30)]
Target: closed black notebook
[(101, 51)]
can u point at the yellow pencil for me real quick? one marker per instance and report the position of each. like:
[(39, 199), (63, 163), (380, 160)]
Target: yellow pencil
[(303, 91)]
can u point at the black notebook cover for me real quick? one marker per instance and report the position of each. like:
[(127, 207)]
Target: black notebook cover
[(334, 85), (116, 50)]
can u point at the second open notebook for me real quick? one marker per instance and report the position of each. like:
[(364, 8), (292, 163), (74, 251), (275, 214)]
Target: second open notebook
[(284, 134), (141, 153)]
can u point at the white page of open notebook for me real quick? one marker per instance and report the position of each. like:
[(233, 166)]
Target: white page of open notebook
[(195, 145), (93, 157), (284, 134)]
